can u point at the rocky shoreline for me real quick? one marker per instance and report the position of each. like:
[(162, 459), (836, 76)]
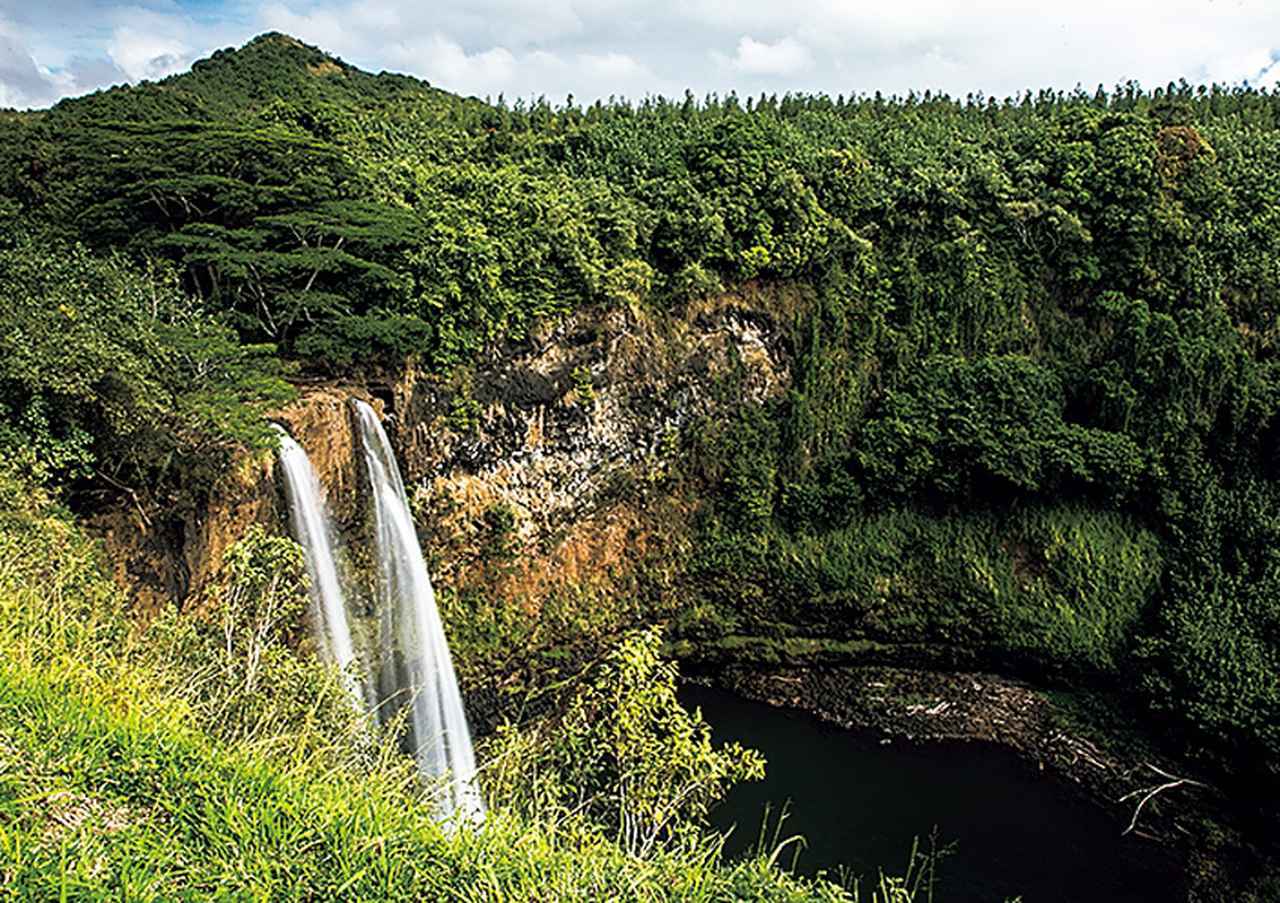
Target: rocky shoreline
[(1151, 797)]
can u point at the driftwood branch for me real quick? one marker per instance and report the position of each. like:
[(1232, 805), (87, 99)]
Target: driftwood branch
[(1149, 793)]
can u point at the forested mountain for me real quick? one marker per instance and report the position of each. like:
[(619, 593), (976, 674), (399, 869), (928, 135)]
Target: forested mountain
[(1032, 406)]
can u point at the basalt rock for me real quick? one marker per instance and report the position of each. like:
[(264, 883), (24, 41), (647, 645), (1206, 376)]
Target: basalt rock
[(563, 423), (546, 434)]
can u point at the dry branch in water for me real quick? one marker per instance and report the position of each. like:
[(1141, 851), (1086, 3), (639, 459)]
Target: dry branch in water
[(1148, 793)]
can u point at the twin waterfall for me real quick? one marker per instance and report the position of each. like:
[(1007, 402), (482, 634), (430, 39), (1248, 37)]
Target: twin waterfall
[(311, 526), (411, 669)]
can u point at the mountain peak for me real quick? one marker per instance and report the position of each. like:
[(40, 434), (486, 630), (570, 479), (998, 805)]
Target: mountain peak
[(269, 68), (272, 50)]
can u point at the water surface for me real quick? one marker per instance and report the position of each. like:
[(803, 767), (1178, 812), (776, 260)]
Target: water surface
[(859, 803)]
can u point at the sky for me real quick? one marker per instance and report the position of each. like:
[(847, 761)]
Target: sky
[(50, 49)]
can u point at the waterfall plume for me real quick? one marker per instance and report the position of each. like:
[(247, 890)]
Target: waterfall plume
[(311, 527), (417, 669)]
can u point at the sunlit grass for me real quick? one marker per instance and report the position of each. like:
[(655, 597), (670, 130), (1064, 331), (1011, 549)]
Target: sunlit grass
[(111, 787)]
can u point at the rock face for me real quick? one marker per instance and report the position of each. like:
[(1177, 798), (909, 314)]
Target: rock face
[(163, 560), (532, 473), (167, 559), (321, 420), (558, 438)]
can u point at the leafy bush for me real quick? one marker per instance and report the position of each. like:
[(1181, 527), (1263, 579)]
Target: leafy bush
[(368, 340), (962, 428), (1214, 660), (236, 666), (1064, 587), (625, 754)]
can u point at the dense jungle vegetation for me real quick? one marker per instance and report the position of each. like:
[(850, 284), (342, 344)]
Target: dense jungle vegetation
[(1033, 411)]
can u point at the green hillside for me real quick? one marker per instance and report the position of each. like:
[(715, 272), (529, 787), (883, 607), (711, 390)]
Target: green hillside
[(1031, 412), (271, 71)]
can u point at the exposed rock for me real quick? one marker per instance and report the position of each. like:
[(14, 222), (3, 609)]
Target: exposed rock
[(322, 422), (556, 436), (169, 558), (570, 423)]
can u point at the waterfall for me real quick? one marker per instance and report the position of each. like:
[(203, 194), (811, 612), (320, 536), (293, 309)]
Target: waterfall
[(310, 523), (417, 669)]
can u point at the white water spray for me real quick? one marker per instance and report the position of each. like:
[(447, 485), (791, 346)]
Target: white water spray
[(415, 653), (310, 523)]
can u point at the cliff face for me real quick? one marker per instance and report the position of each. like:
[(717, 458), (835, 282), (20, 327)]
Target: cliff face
[(540, 474), (536, 475), (168, 558), (165, 558)]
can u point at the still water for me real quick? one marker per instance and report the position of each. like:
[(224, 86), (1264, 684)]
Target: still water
[(859, 803)]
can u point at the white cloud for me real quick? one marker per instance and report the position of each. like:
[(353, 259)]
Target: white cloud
[(1250, 63), (525, 49), (22, 81), (144, 54), (42, 60), (612, 66), (594, 48), (444, 62), (326, 27), (787, 56)]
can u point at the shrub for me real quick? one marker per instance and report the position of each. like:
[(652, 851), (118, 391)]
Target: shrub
[(625, 753)]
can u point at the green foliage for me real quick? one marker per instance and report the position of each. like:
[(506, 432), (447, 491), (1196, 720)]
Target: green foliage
[(464, 411), (263, 221), (1062, 587), (369, 340), (497, 250), (626, 754), (236, 667), (1035, 360), (100, 798), (55, 604), (963, 428), (742, 457), (693, 281), (629, 283), (584, 392), (107, 371), (1216, 657)]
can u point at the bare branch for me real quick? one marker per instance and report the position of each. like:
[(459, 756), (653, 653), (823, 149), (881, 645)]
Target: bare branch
[(1149, 793)]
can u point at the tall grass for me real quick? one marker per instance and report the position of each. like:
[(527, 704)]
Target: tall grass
[(115, 785), (1063, 584)]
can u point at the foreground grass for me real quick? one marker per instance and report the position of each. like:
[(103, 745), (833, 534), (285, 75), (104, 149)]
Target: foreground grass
[(102, 799), (112, 788)]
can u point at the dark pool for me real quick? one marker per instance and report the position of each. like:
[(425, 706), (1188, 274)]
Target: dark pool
[(859, 803)]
